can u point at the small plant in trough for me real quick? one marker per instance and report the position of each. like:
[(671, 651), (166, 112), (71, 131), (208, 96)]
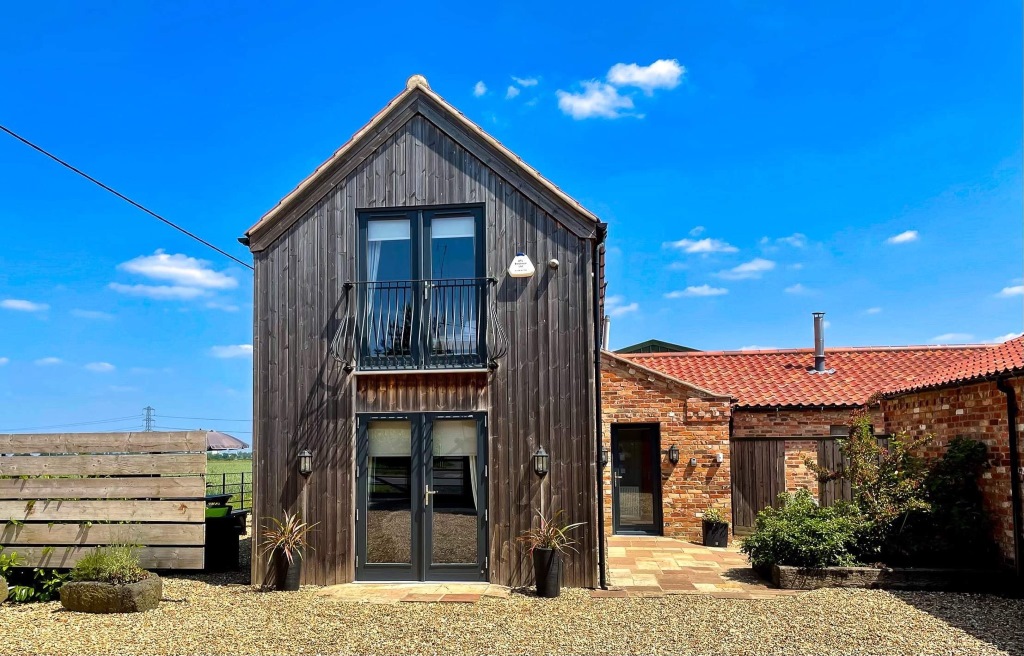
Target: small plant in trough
[(111, 580)]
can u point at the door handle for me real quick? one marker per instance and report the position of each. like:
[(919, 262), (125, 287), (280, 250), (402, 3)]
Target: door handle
[(427, 493)]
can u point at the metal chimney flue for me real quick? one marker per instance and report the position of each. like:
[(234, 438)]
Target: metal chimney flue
[(819, 341)]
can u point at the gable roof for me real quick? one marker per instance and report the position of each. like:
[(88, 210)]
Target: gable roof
[(654, 346), (614, 359), (998, 360), (780, 378), (419, 98)]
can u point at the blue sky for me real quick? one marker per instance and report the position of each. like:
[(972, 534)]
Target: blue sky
[(760, 161)]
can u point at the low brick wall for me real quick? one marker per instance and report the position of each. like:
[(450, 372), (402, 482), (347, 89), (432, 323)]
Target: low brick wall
[(799, 578)]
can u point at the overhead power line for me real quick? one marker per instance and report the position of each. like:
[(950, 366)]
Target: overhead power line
[(122, 196), (201, 418), (78, 423), (180, 428)]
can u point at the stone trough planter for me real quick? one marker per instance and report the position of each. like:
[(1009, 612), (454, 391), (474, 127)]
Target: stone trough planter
[(888, 578), (96, 597)]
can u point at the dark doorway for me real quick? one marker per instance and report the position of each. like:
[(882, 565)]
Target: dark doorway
[(636, 479), (421, 498)]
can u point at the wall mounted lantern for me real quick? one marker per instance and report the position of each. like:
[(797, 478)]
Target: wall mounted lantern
[(305, 462), (604, 457), (541, 461), (673, 454)]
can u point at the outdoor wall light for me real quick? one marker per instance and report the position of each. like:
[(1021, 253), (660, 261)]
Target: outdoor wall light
[(673, 454), (719, 458), (305, 462), (541, 461), (693, 462), (604, 457)]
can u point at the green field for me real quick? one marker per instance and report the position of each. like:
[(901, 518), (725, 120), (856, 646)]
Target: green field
[(227, 476)]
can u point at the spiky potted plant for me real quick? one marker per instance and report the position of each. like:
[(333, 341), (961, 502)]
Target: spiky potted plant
[(547, 542), (715, 529), (285, 542)]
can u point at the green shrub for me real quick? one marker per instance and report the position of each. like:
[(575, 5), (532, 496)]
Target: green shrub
[(955, 528), (117, 564), (803, 534)]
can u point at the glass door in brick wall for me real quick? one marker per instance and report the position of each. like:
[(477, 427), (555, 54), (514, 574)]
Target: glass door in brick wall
[(636, 479)]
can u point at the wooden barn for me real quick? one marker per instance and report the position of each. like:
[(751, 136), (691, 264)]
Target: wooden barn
[(393, 343)]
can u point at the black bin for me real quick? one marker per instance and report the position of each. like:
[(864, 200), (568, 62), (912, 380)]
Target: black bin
[(222, 537)]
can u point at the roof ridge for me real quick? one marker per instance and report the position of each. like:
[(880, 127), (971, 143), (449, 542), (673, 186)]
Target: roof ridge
[(830, 349)]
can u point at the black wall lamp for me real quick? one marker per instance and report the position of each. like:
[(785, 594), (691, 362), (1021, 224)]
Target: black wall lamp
[(541, 461), (604, 457), (305, 462), (673, 454)]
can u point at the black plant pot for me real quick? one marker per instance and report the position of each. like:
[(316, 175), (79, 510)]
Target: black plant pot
[(547, 568), (287, 575), (716, 534)]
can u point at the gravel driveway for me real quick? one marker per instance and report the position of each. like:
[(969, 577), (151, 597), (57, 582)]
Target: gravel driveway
[(219, 614)]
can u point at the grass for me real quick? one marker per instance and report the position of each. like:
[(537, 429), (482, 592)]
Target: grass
[(230, 473)]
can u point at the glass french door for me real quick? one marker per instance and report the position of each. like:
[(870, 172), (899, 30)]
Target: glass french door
[(421, 498), (636, 479)]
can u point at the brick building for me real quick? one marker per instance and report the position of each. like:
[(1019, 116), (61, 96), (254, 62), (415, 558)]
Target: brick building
[(762, 413), (981, 397)]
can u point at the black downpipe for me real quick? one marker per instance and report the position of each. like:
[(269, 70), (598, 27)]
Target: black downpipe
[(1004, 386), (602, 232)]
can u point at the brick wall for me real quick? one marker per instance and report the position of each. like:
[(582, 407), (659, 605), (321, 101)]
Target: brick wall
[(696, 422), (977, 411)]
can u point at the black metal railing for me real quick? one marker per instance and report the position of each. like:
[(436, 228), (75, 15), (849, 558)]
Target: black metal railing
[(237, 484), (422, 324)]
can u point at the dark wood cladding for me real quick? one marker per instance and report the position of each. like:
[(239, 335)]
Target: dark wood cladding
[(541, 394), (434, 392)]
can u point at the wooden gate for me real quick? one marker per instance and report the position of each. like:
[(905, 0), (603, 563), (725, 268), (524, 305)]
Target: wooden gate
[(831, 458), (63, 494), (758, 477)]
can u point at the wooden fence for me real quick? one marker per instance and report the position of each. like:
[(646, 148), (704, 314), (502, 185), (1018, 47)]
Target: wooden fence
[(61, 495)]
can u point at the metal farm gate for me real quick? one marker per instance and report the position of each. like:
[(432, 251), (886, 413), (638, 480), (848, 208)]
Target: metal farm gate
[(61, 495)]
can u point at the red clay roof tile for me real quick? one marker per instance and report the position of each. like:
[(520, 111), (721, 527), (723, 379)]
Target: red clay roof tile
[(784, 377), (1004, 358)]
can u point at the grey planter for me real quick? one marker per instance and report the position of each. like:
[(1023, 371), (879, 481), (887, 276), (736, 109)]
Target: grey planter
[(96, 597)]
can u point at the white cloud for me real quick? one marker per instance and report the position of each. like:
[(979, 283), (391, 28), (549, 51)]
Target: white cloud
[(697, 231), (755, 268), (796, 240), (217, 305), (662, 74), (952, 338), (22, 305), (873, 310), (479, 89), (179, 269), (511, 92), (678, 266), (904, 237), (525, 81), (1016, 290), (1002, 338), (796, 266), (702, 290), (100, 367), (615, 306), (159, 292), (755, 347), (92, 314), (4, 361), (45, 362), (797, 289), (232, 351), (704, 246), (596, 99)]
